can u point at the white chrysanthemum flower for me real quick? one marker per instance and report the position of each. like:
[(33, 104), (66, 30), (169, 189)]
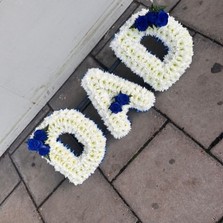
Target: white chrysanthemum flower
[(76, 169), (159, 74), (102, 87)]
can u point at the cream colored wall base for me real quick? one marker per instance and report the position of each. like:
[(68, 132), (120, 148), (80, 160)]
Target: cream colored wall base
[(41, 43)]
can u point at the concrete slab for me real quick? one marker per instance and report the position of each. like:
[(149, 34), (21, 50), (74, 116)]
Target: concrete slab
[(119, 152), (92, 202), (126, 73), (203, 16), (9, 177), (71, 93), (106, 56), (173, 180), (218, 150), (19, 208), (40, 177), (195, 101)]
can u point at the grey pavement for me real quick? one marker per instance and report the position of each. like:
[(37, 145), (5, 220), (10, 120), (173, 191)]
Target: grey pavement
[(168, 169)]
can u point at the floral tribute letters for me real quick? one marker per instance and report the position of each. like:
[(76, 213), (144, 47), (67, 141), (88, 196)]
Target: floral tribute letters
[(76, 169), (113, 96), (159, 74)]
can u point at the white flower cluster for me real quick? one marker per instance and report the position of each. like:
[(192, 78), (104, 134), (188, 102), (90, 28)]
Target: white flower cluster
[(102, 87), (159, 74), (76, 169)]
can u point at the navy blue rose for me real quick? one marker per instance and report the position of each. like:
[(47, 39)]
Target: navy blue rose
[(44, 150), (37, 143), (40, 135), (162, 19), (115, 107), (122, 99), (151, 18), (141, 23), (34, 144)]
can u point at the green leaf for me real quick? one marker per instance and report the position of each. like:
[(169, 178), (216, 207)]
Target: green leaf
[(47, 157), (46, 128), (156, 8)]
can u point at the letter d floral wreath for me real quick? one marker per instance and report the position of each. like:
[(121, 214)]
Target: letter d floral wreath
[(113, 96)]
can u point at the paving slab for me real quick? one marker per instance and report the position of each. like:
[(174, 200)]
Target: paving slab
[(203, 16), (43, 112), (9, 177), (127, 13), (40, 177), (71, 93), (173, 180), (123, 71), (218, 150), (19, 208), (94, 201), (106, 56), (119, 152), (168, 3), (195, 101)]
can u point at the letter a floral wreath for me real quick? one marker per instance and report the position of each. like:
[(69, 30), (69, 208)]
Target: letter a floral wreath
[(159, 74)]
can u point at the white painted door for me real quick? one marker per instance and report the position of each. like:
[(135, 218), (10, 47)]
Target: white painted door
[(41, 43)]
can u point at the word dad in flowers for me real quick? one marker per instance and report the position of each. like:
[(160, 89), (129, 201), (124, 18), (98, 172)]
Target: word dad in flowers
[(113, 96)]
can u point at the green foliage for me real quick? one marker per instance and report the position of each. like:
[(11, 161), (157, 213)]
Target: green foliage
[(156, 8)]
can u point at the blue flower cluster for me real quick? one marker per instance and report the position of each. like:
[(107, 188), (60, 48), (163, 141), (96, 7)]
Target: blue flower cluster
[(157, 19), (120, 100), (37, 143)]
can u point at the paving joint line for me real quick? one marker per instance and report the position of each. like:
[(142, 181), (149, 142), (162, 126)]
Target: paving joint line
[(214, 157), (140, 150), (189, 136), (51, 109), (100, 63), (195, 141), (14, 188), (217, 140), (140, 3), (174, 6), (220, 220), (180, 128), (27, 190), (51, 193), (200, 33), (121, 197)]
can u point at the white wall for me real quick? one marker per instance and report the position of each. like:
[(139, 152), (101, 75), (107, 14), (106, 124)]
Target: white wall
[(41, 42)]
